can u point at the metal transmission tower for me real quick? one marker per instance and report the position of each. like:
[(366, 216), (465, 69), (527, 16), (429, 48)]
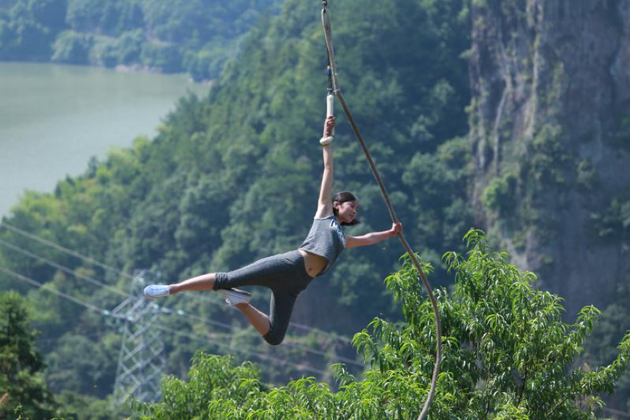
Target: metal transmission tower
[(141, 361)]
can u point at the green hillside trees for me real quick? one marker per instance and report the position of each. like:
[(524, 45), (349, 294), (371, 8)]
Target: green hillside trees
[(234, 177), (23, 392), (196, 37), (507, 355)]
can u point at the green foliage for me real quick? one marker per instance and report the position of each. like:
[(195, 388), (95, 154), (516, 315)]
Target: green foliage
[(76, 406), (25, 33), (22, 389), (619, 134), (440, 209), (613, 222), (600, 348), (507, 355), (85, 15), (170, 36), (129, 47), (587, 175), (234, 177), (210, 60), (162, 55), (530, 180), (49, 13), (500, 194), (548, 158), (104, 50), (72, 370), (71, 47)]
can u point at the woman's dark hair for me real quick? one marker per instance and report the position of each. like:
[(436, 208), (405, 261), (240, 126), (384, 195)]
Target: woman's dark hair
[(342, 197)]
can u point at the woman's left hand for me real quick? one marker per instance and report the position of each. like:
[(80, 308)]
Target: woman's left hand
[(396, 229)]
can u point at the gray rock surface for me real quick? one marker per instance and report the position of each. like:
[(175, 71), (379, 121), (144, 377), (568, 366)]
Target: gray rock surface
[(551, 117)]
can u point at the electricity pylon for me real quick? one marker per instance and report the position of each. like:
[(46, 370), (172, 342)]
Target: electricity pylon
[(141, 360)]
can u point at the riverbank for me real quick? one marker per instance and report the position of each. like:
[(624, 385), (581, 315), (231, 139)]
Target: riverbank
[(54, 118)]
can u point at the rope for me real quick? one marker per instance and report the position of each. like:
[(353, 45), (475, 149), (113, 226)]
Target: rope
[(337, 92)]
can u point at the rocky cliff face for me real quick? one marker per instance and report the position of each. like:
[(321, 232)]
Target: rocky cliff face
[(550, 128)]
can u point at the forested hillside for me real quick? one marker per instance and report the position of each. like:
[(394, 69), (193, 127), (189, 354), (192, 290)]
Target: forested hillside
[(193, 36), (234, 177), (507, 115)]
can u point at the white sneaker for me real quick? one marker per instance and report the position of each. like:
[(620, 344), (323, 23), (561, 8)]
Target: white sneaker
[(235, 296), (153, 291)]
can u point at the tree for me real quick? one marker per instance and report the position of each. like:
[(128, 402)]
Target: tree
[(507, 355), (600, 348), (22, 388), (71, 47)]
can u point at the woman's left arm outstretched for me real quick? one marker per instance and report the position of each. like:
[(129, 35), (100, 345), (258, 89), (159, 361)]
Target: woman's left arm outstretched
[(373, 237)]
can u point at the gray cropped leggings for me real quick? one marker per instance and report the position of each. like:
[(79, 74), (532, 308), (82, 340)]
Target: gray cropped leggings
[(284, 274)]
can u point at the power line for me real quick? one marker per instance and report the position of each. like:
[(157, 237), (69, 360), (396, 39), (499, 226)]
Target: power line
[(101, 284), (318, 331), (207, 340), (162, 308), (53, 291), (63, 249), (117, 271), (62, 268)]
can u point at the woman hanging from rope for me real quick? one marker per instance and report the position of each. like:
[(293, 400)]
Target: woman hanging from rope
[(289, 274)]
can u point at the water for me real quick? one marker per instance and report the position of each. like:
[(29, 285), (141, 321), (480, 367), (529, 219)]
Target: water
[(53, 118)]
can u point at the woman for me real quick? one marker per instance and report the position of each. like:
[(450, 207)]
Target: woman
[(289, 274)]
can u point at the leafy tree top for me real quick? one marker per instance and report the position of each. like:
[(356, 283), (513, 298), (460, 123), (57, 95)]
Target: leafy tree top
[(23, 392), (507, 354)]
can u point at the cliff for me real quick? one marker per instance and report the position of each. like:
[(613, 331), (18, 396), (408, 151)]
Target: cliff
[(550, 130)]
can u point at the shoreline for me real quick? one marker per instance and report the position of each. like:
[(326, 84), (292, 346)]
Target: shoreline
[(137, 68)]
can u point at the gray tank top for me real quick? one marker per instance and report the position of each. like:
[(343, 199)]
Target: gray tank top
[(325, 239)]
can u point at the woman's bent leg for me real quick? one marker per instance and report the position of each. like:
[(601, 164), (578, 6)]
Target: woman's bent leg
[(284, 274), (280, 310), (258, 319)]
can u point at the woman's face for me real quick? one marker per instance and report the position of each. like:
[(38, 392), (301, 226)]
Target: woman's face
[(347, 211)]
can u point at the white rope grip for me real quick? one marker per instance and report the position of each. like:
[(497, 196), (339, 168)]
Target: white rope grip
[(330, 110)]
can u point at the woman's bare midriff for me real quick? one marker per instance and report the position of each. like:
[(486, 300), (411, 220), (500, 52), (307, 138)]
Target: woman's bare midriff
[(314, 264)]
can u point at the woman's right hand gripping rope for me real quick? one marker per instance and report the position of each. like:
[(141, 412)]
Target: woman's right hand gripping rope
[(329, 126)]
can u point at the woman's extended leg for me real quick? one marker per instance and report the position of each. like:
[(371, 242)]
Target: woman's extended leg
[(258, 319), (284, 274), (203, 282)]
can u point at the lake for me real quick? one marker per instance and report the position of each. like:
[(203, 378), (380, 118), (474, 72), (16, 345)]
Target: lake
[(53, 118)]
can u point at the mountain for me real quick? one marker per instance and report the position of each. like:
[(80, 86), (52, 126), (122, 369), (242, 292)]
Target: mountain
[(550, 132)]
